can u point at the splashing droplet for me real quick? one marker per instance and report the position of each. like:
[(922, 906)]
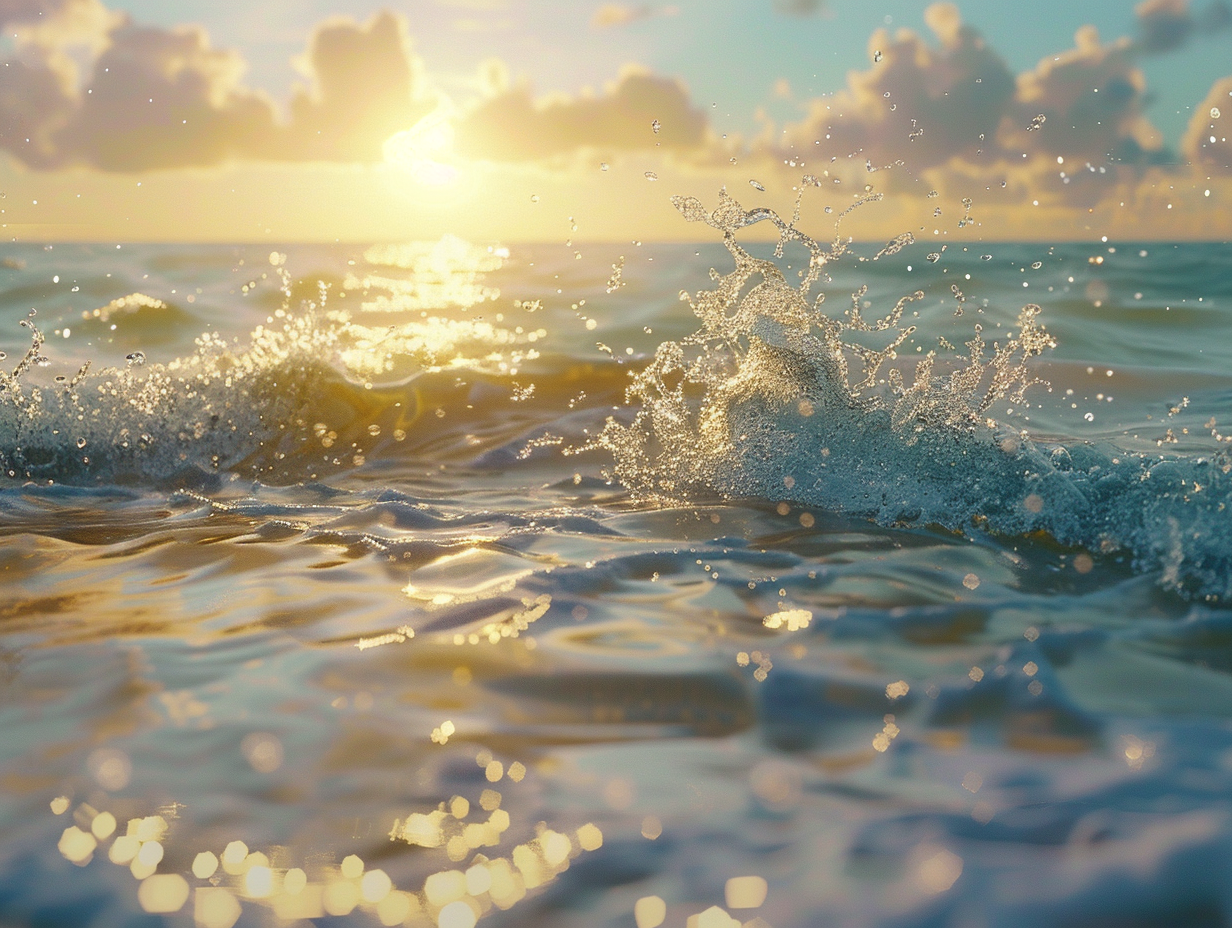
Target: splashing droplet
[(136, 359), (876, 56), (656, 126), (651, 175)]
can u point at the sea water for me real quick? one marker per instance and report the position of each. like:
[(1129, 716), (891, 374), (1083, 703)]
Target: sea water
[(620, 584)]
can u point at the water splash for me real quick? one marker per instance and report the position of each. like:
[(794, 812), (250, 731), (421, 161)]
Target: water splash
[(293, 401), (774, 398)]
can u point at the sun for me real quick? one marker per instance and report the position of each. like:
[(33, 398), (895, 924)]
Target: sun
[(422, 150)]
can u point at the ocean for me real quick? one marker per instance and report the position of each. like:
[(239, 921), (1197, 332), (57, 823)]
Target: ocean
[(616, 584)]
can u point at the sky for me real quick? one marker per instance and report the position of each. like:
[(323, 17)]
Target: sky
[(513, 120)]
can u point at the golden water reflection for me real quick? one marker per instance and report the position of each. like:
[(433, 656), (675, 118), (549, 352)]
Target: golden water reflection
[(468, 833)]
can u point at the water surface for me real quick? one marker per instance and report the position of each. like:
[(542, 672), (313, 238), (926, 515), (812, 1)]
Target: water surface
[(353, 579)]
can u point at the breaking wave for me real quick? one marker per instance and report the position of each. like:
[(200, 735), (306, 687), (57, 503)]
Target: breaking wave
[(312, 392), (772, 397)]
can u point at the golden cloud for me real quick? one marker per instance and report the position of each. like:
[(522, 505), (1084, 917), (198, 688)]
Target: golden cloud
[(1205, 143), (160, 98), (612, 15), (364, 90), (513, 126)]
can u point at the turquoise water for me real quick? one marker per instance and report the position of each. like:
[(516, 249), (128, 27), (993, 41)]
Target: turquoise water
[(385, 578)]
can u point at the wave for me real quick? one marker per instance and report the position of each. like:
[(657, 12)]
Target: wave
[(313, 392), (773, 398)]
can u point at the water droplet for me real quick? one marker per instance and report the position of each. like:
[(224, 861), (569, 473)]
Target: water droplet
[(985, 257), (876, 56), (602, 165), (43, 361), (534, 198), (136, 359), (1214, 112), (756, 186), (934, 257), (1036, 122), (651, 175), (1037, 265), (656, 126), (81, 443)]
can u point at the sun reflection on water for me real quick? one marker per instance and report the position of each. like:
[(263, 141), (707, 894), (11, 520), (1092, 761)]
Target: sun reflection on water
[(460, 829)]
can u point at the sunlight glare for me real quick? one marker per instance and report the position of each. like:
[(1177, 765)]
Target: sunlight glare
[(420, 150)]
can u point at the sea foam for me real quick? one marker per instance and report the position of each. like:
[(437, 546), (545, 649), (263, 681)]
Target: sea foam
[(771, 397)]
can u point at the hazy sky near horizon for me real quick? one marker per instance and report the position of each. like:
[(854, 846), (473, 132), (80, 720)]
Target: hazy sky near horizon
[(370, 119)]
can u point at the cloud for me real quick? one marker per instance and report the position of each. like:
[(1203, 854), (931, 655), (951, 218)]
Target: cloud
[(29, 12), (1163, 24), (1166, 25), (161, 99), (33, 106), (927, 107), (1206, 142), (917, 104), (364, 89), (800, 7), (1092, 99), (611, 15), (52, 24), (513, 126), (483, 6), (58, 33)]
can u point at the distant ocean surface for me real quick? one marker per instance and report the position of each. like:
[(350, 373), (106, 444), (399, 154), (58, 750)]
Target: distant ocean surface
[(576, 585)]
